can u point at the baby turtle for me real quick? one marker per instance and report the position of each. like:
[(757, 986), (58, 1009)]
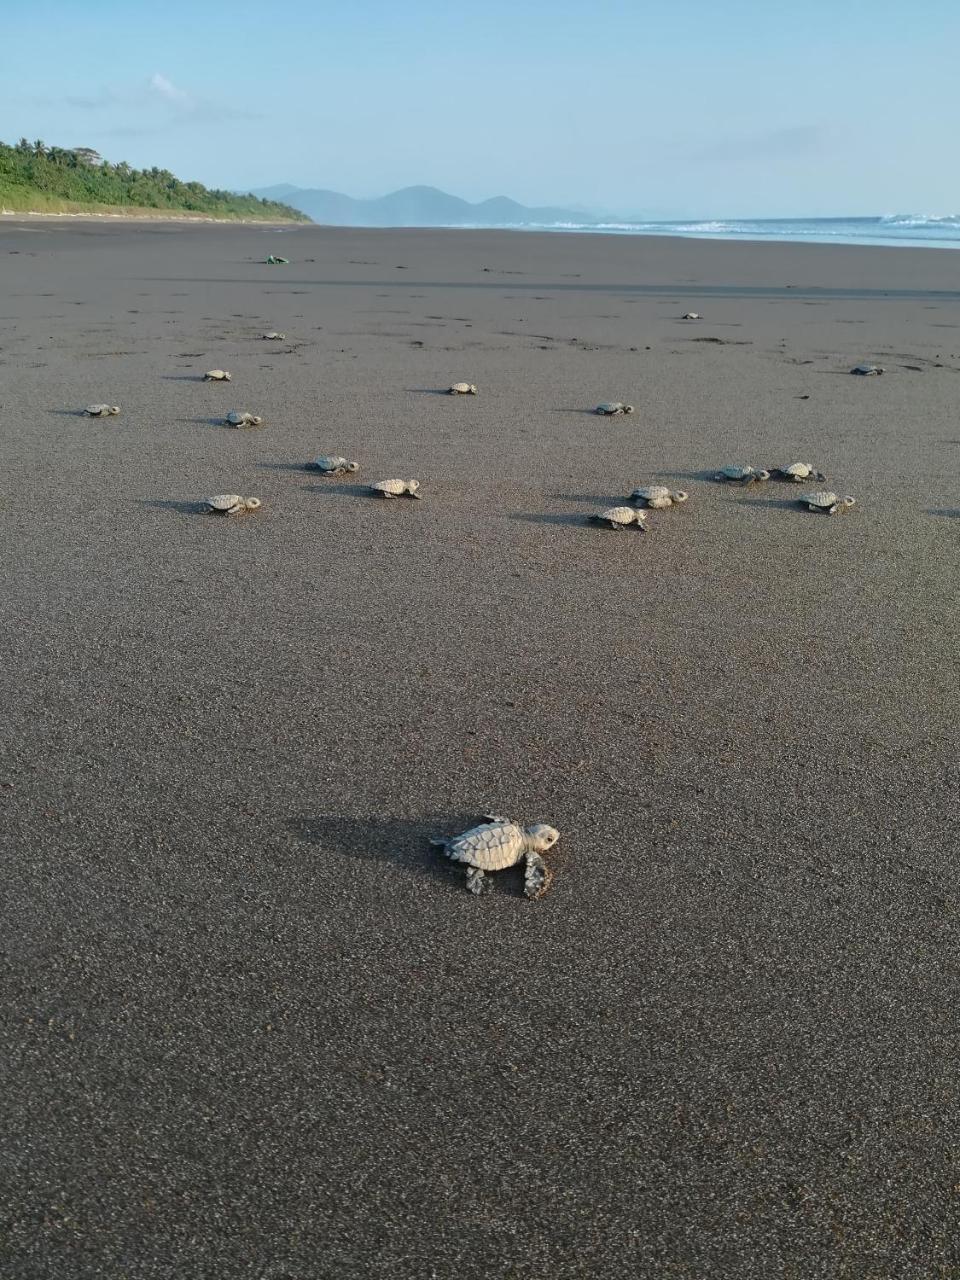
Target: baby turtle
[(620, 518), (691, 315), (741, 475), (613, 409), (498, 843), (658, 496), (798, 472), (274, 261), (231, 504), (273, 336), (101, 410), (333, 466), (396, 488), (828, 503), (217, 375), (463, 389), (237, 419), (868, 370)]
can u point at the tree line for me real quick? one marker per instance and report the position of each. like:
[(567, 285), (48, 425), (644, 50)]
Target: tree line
[(80, 176)]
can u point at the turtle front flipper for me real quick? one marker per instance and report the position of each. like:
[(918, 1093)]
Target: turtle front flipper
[(477, 882), (537, 876)]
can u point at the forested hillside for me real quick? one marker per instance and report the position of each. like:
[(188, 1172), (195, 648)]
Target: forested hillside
[(46, 179)]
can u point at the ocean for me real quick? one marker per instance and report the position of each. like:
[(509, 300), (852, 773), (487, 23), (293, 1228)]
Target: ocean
[(892, 229)]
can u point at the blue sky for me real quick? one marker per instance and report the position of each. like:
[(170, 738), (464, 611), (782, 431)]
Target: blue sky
[(675, 108)]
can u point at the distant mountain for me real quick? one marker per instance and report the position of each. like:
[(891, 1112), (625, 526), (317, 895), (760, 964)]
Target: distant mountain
[(415, 207)]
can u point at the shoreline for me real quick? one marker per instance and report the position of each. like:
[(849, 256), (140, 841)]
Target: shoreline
[(147, 216), (12, 215)]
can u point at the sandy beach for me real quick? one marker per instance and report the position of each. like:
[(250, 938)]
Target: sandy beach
[(253, 1026)]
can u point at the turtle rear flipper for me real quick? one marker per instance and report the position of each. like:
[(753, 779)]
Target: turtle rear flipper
[(477, 881), (537, 876)]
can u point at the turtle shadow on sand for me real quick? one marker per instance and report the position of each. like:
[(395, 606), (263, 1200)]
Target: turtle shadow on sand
[(286, 466), (778, 504), (203, 422), (596, 499), (947, 513), (182, 508), (405, 842), (704, 476), (553, 517), (590, 413), (183, 377), (434, 391), (332, 486), (68, 413)]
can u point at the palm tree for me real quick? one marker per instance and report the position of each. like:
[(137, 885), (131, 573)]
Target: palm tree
[(39, 149)]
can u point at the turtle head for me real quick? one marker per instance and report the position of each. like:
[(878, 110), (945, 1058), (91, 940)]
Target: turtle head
[(628, 408), (413, 488), (680, 495), (848, 501), (353, 466), (762, 474), (541, 838), (252, 504)]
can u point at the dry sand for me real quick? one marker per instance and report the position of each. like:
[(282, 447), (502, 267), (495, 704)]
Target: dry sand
[(252, 1027)]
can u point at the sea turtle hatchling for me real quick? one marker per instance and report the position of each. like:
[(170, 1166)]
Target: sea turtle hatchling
[(331, 466), (620, 518), (798, 472), (828, 503), (231, 504), (237, 419), (273, 336), (499, 843), (691, 315), (742, 475), (658, 496), (867, 370), (217, 375), (463, 389), (101, 410), (396, 489), (613, 409), (273, 261)]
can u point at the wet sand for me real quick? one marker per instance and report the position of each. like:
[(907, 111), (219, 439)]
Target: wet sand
[(252, 1027)]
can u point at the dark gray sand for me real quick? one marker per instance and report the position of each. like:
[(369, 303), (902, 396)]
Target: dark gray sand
[(252, 1026)]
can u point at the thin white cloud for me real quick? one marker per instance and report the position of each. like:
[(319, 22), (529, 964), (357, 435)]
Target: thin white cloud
[(167, 90)]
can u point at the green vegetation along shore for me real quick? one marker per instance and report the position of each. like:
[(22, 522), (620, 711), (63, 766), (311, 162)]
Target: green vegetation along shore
[(41, 179)]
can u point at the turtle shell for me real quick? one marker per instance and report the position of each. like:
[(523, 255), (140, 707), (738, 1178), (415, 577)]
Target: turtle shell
[(216, 375), (620, 515), (225, 502), (463, 389), (798, 470), (492, 846), (394, 487), (273, 336), (611, 408), (652, 493), (332, 466), (821, 498), (101, 410), (867, 370), (736, 473)]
